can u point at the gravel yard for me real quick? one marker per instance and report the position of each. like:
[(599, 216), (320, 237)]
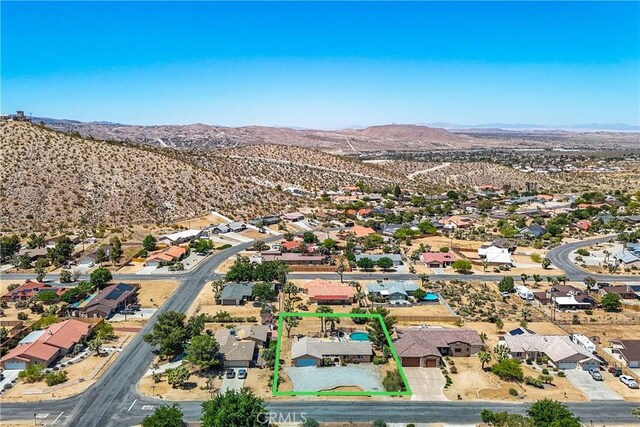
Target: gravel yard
[(365, 376)]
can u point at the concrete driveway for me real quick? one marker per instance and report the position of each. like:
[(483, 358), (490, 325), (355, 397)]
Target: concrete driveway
[(425, 383), (231, 384), (595, 390)]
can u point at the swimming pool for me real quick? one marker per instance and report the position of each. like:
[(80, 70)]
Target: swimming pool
[(359, 336), (431, 297)]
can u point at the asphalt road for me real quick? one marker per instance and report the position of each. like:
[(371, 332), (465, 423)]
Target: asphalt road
[(114, 401)]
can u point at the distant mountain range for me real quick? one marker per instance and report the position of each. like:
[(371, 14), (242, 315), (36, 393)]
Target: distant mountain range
[(590, 127), (391, 137)]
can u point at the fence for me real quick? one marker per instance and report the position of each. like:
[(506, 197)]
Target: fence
[(406, 318), (313, 268)]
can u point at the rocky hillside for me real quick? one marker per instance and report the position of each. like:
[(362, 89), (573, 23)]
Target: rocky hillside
[(53, 179)]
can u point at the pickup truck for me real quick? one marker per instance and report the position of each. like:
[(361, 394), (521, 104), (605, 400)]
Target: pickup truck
[(595, 374)]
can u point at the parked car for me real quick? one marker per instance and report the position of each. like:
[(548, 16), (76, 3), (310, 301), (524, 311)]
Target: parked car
[(505, 294), (231, 373), (628, 381), (615, 371), (595, 374), (242, 374)]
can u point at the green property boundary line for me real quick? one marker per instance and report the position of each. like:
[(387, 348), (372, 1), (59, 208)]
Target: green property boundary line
[(378, 316)]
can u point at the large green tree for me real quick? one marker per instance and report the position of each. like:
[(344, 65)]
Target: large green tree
[(201, 351), (550, 413), (149, 243), (233, 408), (61, 252), (169, 333), (375, 329), (385, 263), (611, 302), (365, 263), (100, 277), (9, 246), (165, 416), (116, 252)]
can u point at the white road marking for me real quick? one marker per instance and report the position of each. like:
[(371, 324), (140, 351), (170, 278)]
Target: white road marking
[(57, 418), (147, 407), (134, 402), (42, 415)]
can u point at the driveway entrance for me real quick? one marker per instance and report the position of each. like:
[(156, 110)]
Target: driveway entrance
[(425, 383)]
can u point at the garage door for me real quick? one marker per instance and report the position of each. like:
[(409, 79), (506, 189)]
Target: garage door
[(411, 361), (10, 366), (431, 363), (306, 362)]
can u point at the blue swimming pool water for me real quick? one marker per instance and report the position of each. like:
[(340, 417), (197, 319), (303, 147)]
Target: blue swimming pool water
[(359, 336), (431, 297)]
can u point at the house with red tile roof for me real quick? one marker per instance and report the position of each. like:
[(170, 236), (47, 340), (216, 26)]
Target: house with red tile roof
[(291, 245), (456, 221), (166, 256), (438, 259), (326, 292), (32, 288), (359, 231), (583, 225), (44, 347)]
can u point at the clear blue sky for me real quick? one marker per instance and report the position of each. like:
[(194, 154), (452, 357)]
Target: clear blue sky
[(326, 65)]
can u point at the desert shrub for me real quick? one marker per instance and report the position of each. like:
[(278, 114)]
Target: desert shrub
[(513, 392), (508, 369), (545, 371), (32, 373), (52, 378), (225, 246), (379, 360), (561, 374)]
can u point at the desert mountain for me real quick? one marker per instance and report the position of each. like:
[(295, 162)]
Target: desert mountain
[(395, 137), (53, 179)]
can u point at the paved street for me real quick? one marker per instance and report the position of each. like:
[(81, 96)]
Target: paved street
[(114, 401)]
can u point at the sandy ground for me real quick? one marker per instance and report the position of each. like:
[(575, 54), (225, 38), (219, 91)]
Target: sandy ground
[(473, 384), (89, 369), (202, 221), (153, 293)]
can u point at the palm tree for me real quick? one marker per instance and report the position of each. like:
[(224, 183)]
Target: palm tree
[(525, 314), (590, 282), (484, 358), (359, 297)]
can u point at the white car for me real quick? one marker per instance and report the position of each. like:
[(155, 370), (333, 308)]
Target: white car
[(628, 381)]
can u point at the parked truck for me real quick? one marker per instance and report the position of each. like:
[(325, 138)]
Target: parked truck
[(524, 293)]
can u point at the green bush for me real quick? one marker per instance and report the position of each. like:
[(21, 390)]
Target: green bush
[(225, 246), (393, 381), (508, 370), (513, 392), (545, 371), (561, 374), (32, 373), (52, 378), (379, 360)]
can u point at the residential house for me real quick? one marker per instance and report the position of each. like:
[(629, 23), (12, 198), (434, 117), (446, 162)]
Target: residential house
[(312, 351), (425, 346), (235, 351), (290, 258), (166, 256), (265, 220), (627, 351), (496, 256), (396, 258), (626, 258), (107, 301), (258, 333), (293, 216), (626, 291), (559, 349), (46, 346), (363, 213), (438, 259), (235, 293), (91, 259), (391, 291), (456, 221), (325, 292), (180, 237), (32, 288), (565, 297), (534, 230), (583, 225), (34, 253)]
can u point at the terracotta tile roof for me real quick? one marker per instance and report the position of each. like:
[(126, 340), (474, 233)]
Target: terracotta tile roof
[(440, 257), (65, 334), (360, 231), (29, 352), (329, 292)]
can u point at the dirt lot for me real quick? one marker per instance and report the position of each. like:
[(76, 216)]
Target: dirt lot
[(471, 383), (153, 293), (88, 370), (195, 388)]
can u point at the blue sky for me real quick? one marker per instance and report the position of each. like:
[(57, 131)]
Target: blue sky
[(326, 65)]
